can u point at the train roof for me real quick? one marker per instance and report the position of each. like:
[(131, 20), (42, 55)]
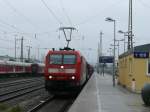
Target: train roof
[(39, 64), (4, 62), (64, 51)]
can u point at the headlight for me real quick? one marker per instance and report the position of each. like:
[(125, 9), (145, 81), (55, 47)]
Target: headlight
[(50, 77), (73, 77)]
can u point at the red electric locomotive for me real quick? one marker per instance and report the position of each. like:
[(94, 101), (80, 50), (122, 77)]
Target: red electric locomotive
[(65, 70)]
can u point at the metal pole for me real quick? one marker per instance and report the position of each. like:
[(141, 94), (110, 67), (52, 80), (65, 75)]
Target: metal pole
[(131, 28), (101, 46), (124, 42), (110, 51), (15, 48), (29, 47), (114, 52), (118, 49), (98, 64), (29, 53), (119, 46), (112, 20), (38, 52), (21, 57), (130, 33), (101, 51)]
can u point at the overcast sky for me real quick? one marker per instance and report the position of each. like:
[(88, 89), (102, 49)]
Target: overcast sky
[(29, 17)]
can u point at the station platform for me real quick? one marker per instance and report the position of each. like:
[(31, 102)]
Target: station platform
[(99, 95)]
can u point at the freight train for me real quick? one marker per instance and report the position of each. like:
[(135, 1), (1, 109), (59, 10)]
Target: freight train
[(13, 69), (66, 71)]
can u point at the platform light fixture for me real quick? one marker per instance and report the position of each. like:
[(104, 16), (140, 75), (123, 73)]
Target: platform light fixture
[(114, 21), (125, 34)]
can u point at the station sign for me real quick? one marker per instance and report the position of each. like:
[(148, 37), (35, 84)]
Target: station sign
[(106, 59), (141, 54)]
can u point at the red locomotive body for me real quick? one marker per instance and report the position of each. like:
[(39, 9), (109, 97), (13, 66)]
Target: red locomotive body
[(65, 70)]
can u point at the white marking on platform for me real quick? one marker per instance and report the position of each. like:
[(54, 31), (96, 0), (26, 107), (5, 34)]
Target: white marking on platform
[(98, 96), (42, 101)]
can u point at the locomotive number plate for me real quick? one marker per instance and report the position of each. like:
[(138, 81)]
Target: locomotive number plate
[(61, 70)]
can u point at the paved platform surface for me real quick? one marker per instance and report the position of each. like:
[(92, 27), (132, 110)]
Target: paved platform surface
[(99, 95)]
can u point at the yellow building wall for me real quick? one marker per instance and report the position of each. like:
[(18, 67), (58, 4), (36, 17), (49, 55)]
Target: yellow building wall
[(121, 71), (141, 73), (133, 68), (124, 71)]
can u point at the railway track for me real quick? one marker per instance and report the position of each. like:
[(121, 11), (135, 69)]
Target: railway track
[(31, 86), (41, 104), (17, 90), (14, 83), (15, 94), (62, 106), (66, 106)]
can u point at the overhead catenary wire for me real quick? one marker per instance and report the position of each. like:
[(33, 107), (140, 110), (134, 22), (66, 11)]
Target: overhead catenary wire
[(6, 40), (18, 30), (11, 26), (5, 28), (19, 13), (144, 4), (7, 25), (6, 48), (3, 31), (51, 12), (65, 13), (95, 16)]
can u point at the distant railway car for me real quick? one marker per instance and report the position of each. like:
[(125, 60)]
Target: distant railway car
[(12, 68), (65, 70), (37, 68), (34, 68), (90, 70)]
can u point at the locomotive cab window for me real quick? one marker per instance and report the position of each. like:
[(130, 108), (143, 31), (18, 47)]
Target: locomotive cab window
[(69, 59), (55, 59)]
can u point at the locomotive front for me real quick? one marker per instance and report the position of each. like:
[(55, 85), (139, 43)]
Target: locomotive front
[(62, 71)]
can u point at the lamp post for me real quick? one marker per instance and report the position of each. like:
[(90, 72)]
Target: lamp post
[(29, 48), (125, 34), (16, 46), (119, 45), (114, 21), (110, 50), (101, 46)]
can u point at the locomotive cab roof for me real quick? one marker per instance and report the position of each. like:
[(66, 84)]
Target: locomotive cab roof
[(64, 49), (67, 49)]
